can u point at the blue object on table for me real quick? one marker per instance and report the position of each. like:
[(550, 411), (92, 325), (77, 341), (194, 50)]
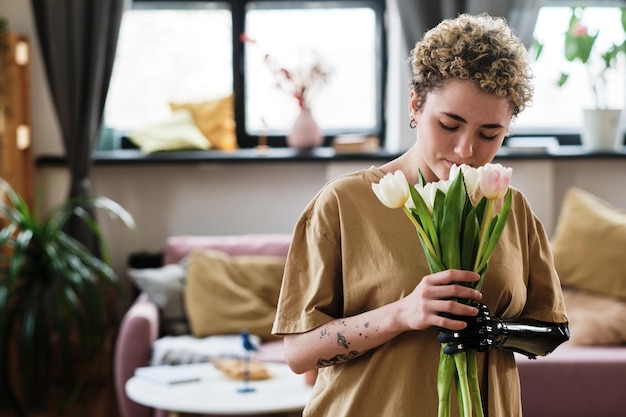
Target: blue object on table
[(249, 347), (247, 343)]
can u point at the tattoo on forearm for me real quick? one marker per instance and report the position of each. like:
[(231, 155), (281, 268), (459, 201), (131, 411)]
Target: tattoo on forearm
[(345, 357), (341, 341)]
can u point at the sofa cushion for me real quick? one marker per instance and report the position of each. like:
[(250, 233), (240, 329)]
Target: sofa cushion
[(595, 319), (588, 245), (179, 247), (164, 287), (226, 294)]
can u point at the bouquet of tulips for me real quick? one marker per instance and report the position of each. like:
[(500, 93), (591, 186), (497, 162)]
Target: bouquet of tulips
[(458, 226)]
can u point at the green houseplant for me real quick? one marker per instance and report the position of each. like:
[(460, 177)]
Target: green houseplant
[(580, 46), (601, 123), (53, 299)]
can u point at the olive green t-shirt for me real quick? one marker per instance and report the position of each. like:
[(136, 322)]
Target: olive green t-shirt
[(352, 254)]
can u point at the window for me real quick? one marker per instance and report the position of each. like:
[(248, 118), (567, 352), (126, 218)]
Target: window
[(559, 109), (189, 51), (168, 52)]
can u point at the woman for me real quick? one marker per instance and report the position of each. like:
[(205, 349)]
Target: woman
[(358, 301)]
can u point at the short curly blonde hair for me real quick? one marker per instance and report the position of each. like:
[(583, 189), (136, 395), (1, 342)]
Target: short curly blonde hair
[(480, 48)]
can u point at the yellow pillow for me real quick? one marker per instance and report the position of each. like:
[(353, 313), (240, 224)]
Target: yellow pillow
[(216, 120), (225, 294), (176, 133), (588, 245), (595, 319)]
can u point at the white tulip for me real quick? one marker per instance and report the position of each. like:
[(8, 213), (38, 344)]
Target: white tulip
[(392, 190)]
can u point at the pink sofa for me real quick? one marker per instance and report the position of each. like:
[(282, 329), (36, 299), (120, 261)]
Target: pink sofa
[(574, 381), (140, 325)]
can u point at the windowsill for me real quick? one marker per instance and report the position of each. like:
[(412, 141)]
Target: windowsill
[(274, 155), (290, 155)]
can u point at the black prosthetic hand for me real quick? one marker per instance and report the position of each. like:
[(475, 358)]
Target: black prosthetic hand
[(483, 332)]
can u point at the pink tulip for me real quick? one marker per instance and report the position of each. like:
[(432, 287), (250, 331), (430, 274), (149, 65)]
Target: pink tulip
[(494, 180)]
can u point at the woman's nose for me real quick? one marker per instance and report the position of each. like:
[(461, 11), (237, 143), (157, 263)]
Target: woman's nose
[(464, 146)]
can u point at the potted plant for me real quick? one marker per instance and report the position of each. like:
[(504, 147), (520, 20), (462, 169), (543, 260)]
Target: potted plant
[(53, 299), (580, 46)]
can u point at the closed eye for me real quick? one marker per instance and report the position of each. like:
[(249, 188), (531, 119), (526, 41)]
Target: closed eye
[(482, 135), (448, 128)]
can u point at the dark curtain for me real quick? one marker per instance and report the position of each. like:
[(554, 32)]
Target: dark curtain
[(78, 39), (418, 16)]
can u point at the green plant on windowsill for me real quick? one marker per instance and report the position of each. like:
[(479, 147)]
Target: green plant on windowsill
[(53, 300), (580, 46)]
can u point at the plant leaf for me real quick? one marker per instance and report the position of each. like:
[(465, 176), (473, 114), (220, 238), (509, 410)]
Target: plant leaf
[(450, 228), (496, 230)]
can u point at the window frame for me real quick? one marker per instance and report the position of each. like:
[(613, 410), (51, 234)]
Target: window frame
[(567, 135), (238, 10)]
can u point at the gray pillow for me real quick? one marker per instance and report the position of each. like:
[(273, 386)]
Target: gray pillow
[(165, 288)]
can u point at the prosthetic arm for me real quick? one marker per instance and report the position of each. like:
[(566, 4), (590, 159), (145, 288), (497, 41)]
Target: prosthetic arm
[(483, 332)]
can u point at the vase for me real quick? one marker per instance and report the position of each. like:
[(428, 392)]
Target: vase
[(601, 130), (305, 134)]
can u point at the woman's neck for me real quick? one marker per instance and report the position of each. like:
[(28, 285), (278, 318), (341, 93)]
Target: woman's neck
[(410, 163)]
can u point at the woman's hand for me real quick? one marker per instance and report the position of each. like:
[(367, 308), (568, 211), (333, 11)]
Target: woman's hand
[(432, 302)]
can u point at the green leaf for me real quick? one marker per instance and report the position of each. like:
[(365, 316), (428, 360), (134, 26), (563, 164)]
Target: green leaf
[(496, 230), (424, 217), (420, 178), (537, 47), (578, 46), (450, 228), (470, 238)]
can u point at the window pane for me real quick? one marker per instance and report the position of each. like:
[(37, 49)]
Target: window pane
[(561, 107), (342, 39), (168, 52)]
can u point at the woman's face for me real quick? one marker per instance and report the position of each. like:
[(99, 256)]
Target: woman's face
[(458, 124)]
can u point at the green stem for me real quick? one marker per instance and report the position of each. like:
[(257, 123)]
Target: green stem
[(474, 386), (445, 376), (421, 233), (460, 359), (484, 227), (459, 397)]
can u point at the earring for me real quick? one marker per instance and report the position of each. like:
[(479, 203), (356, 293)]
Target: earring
[(412, 124)]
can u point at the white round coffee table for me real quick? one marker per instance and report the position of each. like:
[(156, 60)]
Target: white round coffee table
[(215, 393)]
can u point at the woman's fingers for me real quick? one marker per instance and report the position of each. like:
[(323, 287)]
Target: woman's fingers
[(436, 295), (450, 276), (442, 285)]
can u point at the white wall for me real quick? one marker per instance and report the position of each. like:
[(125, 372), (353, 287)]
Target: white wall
[(238, 198)]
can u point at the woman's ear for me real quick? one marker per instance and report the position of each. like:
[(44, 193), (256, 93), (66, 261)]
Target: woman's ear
[(413, 100)]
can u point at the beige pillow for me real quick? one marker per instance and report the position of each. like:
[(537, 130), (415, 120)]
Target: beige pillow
[(226, 294), (176, 133), (589, 243), (595, 319), (216, 120)]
